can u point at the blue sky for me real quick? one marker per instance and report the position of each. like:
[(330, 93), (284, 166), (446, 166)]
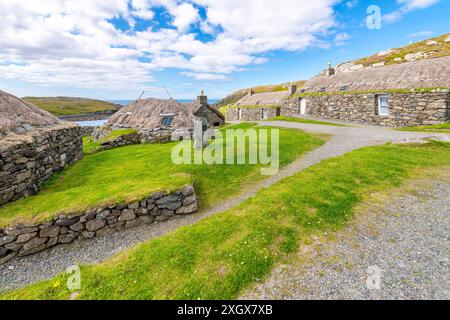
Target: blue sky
[(115, 49)]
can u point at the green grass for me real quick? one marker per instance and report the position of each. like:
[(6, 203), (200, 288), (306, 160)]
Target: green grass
[(438, 128), (131, 173), (61, 106), (309, 121), (221, 255), (90, 146)]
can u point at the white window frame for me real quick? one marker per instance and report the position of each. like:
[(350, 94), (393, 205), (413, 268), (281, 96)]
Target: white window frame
[(383, 110)]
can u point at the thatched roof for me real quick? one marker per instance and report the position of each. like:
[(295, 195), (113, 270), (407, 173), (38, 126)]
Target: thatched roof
[(194, 106), (149, 113), (432, 73), (18, 116), (263, 99)]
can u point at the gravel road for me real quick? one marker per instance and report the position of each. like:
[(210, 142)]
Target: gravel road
[(25, 270), (396, 250)]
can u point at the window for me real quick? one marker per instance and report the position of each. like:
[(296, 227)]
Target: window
[(383, 105), (216, 124), (239, 113), (167, 121), (264, 114)]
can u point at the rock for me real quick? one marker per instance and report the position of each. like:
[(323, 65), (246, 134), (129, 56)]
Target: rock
[(127, 215), (52, 242), (103, 214), (144, 204), (133, 205), (77, 227), (19, 231), (189, 200), (8, 257), (104, 232), (68, 238), (88, 234), (6, 239), (142, 211), (14, 246), (187, 191), (34, 243), (192, 208), (50, 232), (165, 201), (95, 225), (25, 237), (65, 222), (63, 230), (116, 213), (133, 224), (146, 219), (3, 252), (112, 220)]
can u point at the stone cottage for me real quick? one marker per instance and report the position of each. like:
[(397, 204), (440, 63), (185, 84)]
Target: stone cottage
[(259, 106), (33, 145), (201, 109), (157, 120), (407, 94)]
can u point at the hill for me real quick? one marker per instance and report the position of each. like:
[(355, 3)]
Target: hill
[(427, 49), (237, 95), (61, 106)]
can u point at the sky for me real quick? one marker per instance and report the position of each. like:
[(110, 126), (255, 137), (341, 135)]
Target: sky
[(115, 49)]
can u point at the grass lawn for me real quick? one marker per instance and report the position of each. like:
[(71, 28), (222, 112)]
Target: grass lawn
[(61, 106), (438, 128), (131, 173), (217, 257), (309, 121), (90, 146)]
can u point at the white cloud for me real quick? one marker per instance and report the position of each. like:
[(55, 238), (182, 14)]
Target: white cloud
[(74, 43), (421, 34), (407, 6), (204, 76), (184, 16)]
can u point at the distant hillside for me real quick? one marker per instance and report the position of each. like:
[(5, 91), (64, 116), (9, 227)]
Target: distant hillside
[(61, 106), (428, 49), (237, 95)]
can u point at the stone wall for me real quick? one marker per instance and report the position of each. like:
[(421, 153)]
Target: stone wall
[(158, 207), (125, 140), (251, 114), (87, 131), (405, 109), (27, 161)]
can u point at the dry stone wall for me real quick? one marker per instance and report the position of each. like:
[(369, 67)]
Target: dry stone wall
[(27, 161), (405, 109), (251, 114), (156, 208)]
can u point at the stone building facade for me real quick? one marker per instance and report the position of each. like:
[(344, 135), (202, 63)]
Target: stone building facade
[(201, 109), (27, 161), (407, 94), (259, 106), (243, 113), (404, 109)]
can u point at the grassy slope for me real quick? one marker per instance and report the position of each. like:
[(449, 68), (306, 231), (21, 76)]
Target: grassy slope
[(61, 106), (439, 128), (441, 49), (309, 121), (131, 173), (90, 147), (237, 95), (219, 256)]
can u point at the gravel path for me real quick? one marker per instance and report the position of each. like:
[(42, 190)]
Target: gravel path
[(22, 271), (400, 247)]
